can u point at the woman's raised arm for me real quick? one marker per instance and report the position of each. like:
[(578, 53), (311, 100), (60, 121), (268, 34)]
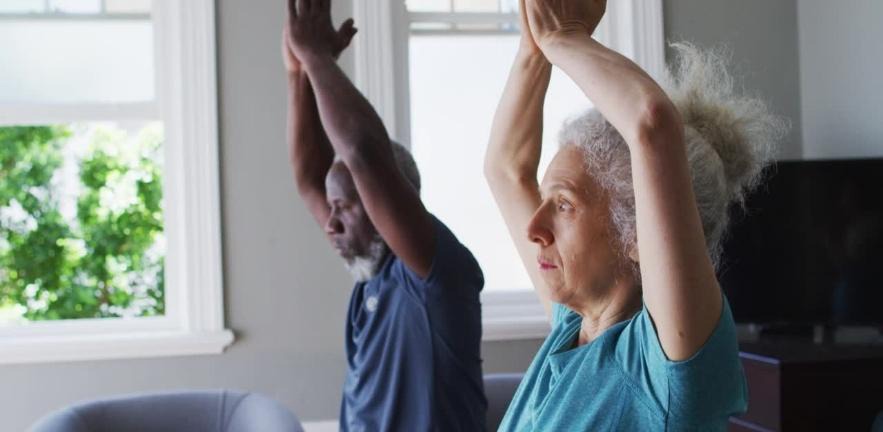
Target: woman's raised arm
[(513, 153)]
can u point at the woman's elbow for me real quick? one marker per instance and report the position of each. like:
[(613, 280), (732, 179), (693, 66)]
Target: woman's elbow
[(658, 123)]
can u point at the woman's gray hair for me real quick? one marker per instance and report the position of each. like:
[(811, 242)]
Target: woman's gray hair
[(730, 139)]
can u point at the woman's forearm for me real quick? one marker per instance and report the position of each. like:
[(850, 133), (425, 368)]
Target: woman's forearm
[(516, 134), (623, 92), (513, 154)]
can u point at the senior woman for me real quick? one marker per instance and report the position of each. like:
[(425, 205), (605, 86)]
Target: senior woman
[(622, 236)]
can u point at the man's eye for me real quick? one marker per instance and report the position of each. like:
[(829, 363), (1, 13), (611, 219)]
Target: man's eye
[(564, 205)]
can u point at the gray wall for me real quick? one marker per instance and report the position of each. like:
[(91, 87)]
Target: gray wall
[(285, 291), (841, 85), (762, 37)]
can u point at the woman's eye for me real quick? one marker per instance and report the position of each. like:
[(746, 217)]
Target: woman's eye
[(564, 205)]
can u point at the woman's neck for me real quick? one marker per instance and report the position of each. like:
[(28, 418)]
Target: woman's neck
[(600, 313)]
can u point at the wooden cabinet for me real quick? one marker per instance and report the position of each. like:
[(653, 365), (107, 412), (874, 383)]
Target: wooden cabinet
[(795, 386)]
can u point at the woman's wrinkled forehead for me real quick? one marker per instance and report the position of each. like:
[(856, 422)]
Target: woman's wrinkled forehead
[(568, 170)]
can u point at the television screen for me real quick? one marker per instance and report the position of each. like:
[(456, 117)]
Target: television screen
[(807, 248)]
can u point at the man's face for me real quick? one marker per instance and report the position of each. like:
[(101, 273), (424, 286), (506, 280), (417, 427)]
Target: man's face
[(348, 227)]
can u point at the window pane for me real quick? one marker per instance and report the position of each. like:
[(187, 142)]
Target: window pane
[(51, 61), (476, 5), (127, 6), (21, 6), (509, 6), (429, 5), (75, 6), (456, 83), (81, 225)]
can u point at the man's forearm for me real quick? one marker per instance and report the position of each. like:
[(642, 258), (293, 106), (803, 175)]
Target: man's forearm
[(311, 154), (354, 128)]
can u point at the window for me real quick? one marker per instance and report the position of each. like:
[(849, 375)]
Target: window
[(435, 69), (109, 181)]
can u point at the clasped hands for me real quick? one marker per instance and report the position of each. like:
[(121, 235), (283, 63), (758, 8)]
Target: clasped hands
[(548, 24)]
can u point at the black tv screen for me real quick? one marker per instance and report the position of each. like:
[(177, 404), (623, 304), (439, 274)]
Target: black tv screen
[(808, 246)]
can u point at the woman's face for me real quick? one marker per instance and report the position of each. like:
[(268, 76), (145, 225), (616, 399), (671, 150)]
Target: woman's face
[(576, 256)]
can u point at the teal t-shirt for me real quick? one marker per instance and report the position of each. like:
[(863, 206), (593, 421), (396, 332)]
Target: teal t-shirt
[(622, 381)]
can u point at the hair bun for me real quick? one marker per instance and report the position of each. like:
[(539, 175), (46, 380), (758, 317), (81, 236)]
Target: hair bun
[(741, 129)]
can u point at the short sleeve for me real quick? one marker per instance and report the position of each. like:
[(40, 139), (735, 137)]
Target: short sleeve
[(712, 381), (451, 295), (454, 270), (708, 387)]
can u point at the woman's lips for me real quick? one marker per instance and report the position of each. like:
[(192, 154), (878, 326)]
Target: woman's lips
[(546, 265)]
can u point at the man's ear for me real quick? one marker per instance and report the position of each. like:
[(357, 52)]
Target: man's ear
[(633, 253)]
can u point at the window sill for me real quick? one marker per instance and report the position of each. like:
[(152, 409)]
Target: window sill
[(513, 315), (63, 348)]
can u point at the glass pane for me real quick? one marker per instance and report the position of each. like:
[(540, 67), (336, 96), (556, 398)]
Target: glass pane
[(429, 5), (21, 6), (127, 6), (476, 5), (81, 222), (75, 6), (456, 83), (53, 61), (509, 6)]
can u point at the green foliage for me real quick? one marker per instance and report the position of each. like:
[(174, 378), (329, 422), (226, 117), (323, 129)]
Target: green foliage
[(105, 259)]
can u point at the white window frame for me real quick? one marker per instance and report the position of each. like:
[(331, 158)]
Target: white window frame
[(187, 105), (634, 28)]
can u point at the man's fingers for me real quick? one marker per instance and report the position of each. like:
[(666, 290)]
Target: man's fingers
[(292, 9), (324, 6), (304, 7), (346, 27), (347, 38)]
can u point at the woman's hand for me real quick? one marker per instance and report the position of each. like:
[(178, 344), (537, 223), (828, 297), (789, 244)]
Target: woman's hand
[(550, 21), (291, 63), (528, 45)]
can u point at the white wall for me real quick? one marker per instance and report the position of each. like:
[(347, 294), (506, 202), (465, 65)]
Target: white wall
[(761, 35), (841, 67)]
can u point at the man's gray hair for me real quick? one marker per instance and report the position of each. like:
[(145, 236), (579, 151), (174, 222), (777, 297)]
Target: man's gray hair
[(407, 165), (729, 137), (404, 160)]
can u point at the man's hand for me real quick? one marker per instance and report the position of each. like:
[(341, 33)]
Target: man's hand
[(553, 20), (309, 33)]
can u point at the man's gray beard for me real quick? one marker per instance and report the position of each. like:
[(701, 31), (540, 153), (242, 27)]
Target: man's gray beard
[(363, 268)]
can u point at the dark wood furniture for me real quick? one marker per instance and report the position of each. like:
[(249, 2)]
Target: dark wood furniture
[(801, 386)]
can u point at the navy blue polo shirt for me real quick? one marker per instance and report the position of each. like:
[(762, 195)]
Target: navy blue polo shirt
[(413, 346)]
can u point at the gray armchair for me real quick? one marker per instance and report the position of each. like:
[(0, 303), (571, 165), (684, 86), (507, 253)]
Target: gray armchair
[(499, 389), (209, 411)]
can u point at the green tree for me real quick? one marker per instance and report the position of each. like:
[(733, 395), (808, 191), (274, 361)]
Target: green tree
[(107, 260)]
